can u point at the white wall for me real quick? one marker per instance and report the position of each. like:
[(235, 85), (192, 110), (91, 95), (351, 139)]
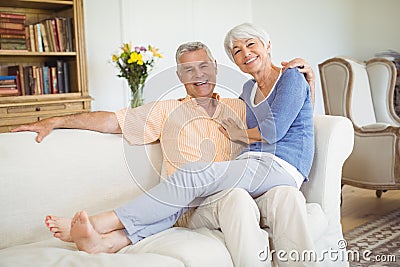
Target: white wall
[(164, 24), (312, 29), (103, 37), (378, 27)]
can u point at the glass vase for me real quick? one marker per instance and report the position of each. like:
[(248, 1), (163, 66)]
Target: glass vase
[(136, 95)]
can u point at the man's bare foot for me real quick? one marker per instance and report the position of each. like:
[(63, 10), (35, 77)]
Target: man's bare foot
[(89, 240), (60, 227)]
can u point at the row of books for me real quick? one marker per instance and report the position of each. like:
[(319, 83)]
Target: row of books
[(52, 78), (49, 35), (8, 86), (12, 31)]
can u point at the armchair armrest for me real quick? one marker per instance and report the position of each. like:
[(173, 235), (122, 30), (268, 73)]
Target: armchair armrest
[(384, 141), (374, 127), (334, 140)]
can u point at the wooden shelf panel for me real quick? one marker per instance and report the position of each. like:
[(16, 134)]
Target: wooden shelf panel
[(38, 4), (17, 53), (43, 99)]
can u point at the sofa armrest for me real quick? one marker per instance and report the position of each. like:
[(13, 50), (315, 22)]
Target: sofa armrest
[(334, 140)]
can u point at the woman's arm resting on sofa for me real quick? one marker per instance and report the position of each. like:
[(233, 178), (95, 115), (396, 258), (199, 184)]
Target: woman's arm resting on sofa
[(100, 121)]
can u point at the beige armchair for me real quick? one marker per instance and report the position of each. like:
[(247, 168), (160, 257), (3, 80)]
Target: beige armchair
[(363, 92)]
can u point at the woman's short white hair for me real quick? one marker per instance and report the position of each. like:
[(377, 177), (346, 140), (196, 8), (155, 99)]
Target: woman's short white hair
[(244, 31)]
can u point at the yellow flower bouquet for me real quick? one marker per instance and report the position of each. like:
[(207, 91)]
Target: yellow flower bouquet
[(135, 65)]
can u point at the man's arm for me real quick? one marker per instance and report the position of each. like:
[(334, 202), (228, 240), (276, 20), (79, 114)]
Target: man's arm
[(100, 121), (305, 68)]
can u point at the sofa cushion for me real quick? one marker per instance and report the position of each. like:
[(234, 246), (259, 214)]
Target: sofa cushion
[(57, 253), (173, 247), (192, 247)]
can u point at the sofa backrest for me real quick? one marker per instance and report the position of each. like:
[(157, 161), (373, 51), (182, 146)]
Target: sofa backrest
[(69, 171)]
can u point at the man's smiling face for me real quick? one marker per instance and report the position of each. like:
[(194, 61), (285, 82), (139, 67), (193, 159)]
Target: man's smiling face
[(198, 73)]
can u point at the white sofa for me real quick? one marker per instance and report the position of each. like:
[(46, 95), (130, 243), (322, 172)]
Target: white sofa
[(74, 169)]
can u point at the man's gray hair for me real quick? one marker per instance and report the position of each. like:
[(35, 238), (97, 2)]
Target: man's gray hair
[(190, 47), (244, 31)]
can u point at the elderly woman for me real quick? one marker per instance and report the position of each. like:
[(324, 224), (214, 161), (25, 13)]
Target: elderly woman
[(280, 151), (279, 112)]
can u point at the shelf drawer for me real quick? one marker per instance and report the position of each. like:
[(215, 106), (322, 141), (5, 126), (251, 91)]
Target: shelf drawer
[(42, 109)]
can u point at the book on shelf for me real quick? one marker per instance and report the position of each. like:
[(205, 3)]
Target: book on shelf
[(70, 36), (53, 30), (38, 38), (8, 92), (13, 46), (7, 78), (32, 38), (4, 15), (66, 77), (59, 33), (6, 85), (12, 25), (12, 36), (12, 31), (46, 80), (45, 41), (12, 20), (60, 76), (53, 80), (9, 86), (35, 84), (27, 40), (50, 35), (12, 40), (27, 79), (18, 72)]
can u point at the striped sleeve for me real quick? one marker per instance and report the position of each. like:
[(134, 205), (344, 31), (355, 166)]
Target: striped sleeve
[(142, 125)]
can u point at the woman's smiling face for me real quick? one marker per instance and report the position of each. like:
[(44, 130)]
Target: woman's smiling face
[(250, 55)]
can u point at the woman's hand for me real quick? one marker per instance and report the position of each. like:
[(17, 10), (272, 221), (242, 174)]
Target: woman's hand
[(232, 131), (236, 134)]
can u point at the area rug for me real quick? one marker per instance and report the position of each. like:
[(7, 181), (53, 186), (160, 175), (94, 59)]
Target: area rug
[(375, 243)]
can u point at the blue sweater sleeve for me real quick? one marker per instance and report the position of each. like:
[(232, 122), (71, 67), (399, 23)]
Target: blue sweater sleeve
[(288, 99)]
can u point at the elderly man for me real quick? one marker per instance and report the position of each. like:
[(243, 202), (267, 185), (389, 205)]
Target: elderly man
[(188, 132)]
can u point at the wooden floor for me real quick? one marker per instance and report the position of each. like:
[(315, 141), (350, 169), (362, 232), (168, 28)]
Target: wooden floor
[(361, 205)]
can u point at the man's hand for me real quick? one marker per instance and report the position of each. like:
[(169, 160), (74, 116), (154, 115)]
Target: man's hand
[(42, 128), (99, 121), (305, 68), (232, 131)]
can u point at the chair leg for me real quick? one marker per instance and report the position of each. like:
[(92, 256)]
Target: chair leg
[(379, 193), (341, 195)]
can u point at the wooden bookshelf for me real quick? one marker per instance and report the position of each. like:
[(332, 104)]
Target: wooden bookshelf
[(17, 110)]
